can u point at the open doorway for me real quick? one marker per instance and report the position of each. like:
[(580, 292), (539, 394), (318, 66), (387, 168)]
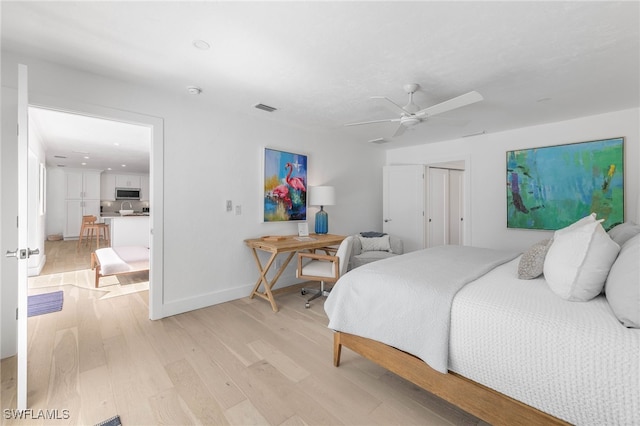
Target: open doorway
[(93, 145)]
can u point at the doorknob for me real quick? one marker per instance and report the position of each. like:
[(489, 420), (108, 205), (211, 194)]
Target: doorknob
[(17, 253), (387, 220), (22, 254)]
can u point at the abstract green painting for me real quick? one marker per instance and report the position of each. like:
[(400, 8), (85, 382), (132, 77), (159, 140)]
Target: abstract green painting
[(552, 187)]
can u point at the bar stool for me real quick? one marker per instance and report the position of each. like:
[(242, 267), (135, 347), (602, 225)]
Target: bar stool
[(89, 227)]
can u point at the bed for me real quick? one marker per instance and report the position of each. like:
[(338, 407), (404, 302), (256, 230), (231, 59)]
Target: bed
[(119, 260), (511, 351)]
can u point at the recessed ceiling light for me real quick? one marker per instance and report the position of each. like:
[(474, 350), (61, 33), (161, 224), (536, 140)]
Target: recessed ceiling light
[(193, 90), (201, 44), (86, 157), (84, 164), (109, 168), (116, 144), (124, 165)]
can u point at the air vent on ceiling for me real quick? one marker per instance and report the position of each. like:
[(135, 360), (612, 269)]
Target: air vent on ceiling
[(59, 156), (265, 107), (379, 141), (475, 134), (61, 165)]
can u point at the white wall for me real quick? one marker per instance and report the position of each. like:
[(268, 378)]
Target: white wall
[(210, 155), (486, 156)]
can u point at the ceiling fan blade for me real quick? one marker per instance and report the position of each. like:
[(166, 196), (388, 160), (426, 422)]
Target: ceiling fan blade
[(402, 110), (457, 102), (400, 130), (374, 121)]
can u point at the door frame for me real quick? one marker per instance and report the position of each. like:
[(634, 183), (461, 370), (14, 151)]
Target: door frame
[(156, 174), (439, 162)]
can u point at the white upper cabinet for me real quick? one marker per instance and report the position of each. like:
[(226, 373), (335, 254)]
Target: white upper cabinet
[(82, 185), (110, 181), (108, 187), (127, 181)]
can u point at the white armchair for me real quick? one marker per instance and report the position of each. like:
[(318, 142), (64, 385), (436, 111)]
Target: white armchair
[(366, 250), (323, 267)]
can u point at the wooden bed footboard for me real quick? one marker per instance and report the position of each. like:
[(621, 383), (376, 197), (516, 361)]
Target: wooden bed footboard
[(472, 397)]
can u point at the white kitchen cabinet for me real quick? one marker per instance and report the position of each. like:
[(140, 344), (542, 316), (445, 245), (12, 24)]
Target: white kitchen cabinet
[(82, 197), (127, 181), (81, 185), (110, 181), (129, 230), (108, 187), (144, 188)]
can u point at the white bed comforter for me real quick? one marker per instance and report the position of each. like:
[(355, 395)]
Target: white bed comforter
[(371, 301), (573, 360)]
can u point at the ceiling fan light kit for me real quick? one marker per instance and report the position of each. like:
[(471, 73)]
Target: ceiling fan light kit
[(411, 114)]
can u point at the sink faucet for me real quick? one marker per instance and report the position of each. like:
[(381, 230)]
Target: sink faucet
[(122, 204)]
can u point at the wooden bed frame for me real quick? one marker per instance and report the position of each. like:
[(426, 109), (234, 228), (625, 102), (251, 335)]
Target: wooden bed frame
[(474, 398)]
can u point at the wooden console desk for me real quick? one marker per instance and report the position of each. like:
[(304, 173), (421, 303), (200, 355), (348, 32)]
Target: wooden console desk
[(288, 244)]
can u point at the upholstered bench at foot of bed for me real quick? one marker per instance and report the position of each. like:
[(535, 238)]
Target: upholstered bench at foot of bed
[(119, 260)]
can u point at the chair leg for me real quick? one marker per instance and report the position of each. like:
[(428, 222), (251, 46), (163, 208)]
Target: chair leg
[(316, 293)]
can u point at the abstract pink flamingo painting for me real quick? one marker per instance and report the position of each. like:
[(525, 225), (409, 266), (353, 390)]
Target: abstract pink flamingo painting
[(285, 186), (294, 182)]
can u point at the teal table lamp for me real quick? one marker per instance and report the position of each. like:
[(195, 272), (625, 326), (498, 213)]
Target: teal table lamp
[(322, 196)]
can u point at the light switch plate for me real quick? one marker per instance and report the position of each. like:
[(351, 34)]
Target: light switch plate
[(229, 205)]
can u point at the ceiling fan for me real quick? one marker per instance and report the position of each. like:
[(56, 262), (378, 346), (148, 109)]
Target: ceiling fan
[(411, 114)]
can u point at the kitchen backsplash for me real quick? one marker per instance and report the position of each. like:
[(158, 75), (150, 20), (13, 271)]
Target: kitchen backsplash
[(114, 206)]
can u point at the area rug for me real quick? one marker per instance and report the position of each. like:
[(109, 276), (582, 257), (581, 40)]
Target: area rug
[(111, 286), (45, 303), (113, 421)]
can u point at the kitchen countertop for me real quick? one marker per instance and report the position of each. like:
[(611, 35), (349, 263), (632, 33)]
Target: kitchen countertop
[(111, 215)]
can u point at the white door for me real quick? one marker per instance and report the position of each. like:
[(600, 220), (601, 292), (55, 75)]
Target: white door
[(22, 252), (403, 195), (456, 207), (438, 207)]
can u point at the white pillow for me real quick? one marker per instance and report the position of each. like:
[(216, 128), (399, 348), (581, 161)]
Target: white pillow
[(623, 284), (375, 244), (585, 220), (578, 261)]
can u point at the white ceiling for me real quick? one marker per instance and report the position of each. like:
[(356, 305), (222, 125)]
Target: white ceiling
[(320, 62), (80, 141)]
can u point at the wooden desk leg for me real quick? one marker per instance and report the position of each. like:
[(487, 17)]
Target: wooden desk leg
[(268, 295)]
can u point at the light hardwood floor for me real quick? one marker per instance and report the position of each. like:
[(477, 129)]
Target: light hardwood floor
[(234, 363)]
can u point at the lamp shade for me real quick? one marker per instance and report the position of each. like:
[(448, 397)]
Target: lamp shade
[(322, 196)]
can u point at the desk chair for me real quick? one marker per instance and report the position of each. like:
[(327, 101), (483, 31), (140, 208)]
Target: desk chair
[(324, 267)]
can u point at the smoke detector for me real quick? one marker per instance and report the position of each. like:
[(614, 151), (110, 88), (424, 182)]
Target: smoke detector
[(193, 90)]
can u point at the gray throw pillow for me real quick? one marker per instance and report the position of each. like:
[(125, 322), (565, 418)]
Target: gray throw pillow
[(624, 232), (623, 284), (532, 261)]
